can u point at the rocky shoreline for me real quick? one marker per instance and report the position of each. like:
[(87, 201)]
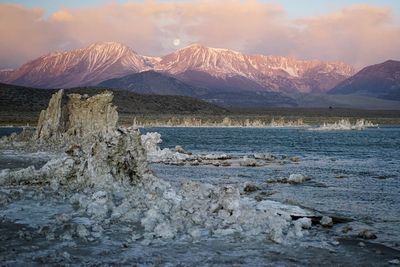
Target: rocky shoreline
[(100, 181)]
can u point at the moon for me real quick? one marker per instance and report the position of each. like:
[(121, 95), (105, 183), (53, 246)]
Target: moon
[(176, 42)]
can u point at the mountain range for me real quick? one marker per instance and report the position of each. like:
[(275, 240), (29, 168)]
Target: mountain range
[(222, 76), (219, 69)]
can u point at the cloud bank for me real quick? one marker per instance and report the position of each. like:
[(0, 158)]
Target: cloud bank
[(359, 35)]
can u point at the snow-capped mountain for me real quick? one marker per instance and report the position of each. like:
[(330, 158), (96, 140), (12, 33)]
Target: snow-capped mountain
[(87, 66), (213, 68), (273, 73)]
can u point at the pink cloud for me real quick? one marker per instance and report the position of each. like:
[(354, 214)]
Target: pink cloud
[(359, 35), (25, 34)]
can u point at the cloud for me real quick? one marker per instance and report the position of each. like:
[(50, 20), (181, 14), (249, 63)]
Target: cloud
[(24, 34), (358, 35)]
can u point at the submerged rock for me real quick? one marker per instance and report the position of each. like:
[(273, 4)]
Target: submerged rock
[(250, 188), (222, 156), (326, 221), (292, 179), (366, 234), (295, 159)]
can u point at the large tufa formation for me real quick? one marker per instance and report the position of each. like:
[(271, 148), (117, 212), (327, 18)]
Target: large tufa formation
[(81, 117)]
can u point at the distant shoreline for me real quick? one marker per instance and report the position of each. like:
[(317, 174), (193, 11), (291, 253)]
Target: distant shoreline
[(216, 121)]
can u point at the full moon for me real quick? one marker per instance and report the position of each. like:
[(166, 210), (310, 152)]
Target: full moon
[(176, 42)]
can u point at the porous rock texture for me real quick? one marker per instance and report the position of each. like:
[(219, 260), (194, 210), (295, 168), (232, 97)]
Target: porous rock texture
[(90, 115), (104, 173), (81, 118), (50, 122)]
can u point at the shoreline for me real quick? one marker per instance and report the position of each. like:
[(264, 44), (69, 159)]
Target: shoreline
[(217, 121)]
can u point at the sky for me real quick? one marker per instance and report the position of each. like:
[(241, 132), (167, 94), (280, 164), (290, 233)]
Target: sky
[(357, 32)]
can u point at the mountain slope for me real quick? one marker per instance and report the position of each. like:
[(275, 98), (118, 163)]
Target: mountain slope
[(151, 82), (87, 66), (249, 99), (380, 80), (215, 68), (24, 101), (346, 101)]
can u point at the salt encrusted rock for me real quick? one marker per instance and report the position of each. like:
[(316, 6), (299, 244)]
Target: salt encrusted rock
[(51, 121), (151, 142), (297, 178), (302, 223), (116, 157), (326, 221), (91, 115), (81, 119), (180, 149), (266, 157), (293, 179), (248, 162)]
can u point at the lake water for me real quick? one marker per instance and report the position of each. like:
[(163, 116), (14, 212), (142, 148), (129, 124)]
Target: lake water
[(355, 175)]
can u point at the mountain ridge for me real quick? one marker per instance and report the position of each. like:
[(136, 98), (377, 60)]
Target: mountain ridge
[(379, 80)]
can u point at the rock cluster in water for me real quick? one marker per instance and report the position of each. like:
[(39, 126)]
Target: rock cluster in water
[(104, 173), (179, 156)]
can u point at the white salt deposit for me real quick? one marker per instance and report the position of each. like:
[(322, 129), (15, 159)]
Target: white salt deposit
[(297, 178), (151, 143), (344, 125)]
